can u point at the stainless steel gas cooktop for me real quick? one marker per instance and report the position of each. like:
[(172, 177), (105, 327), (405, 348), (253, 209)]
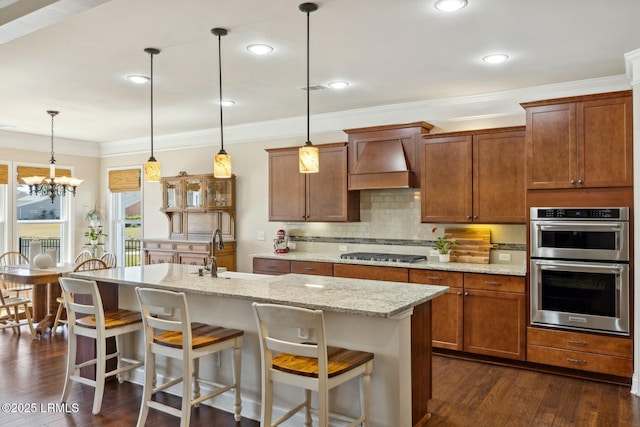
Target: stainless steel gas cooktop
[(375, 256)]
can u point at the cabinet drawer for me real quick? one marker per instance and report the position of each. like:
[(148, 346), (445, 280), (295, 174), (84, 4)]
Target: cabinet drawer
[(193, 259), (192, 247), (160, 257), (391, 274), (436, 277), (162, 246), (271, 266), (309, 267), (577, 341), (494, 282), (583, 361)]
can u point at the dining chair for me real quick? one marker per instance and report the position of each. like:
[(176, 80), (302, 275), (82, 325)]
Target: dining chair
[(12, 312), (175, 336), (87, 318), (13, 258), (313, 366), (86, 265), (83, 255), (110, 259)]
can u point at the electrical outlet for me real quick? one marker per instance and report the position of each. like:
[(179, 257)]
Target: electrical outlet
[(504, 257), (292, 245), (342, 248), (260, 235)]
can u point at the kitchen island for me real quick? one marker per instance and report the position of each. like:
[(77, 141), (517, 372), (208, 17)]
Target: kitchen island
[(391, 320)]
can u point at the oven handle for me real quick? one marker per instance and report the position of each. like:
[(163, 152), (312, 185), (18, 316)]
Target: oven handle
[(580, 267), (578, 226)]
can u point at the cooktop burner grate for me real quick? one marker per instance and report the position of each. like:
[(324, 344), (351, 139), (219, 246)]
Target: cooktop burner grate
[(375, 256)]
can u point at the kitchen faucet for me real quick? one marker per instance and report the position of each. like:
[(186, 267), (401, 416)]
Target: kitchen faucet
[(214, 265)]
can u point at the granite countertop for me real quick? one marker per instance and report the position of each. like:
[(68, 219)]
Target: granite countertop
[(353, 296), (505, 269)]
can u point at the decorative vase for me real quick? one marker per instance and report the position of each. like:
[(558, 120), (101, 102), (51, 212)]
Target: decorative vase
[(444, 257), (35, 248), (53, 253), (42, 261)]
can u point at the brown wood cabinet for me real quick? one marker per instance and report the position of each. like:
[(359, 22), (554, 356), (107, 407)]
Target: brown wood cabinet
[(580, 142), (371, 272), (188, 252), (322, 196), (446, 310), (482, 313), (468, 176), (578, 350)]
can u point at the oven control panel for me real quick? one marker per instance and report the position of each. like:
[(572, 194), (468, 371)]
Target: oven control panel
[(618, 213)]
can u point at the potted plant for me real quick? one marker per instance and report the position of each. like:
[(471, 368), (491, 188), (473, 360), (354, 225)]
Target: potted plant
[(94, 216), (94, 233), (444, 246)]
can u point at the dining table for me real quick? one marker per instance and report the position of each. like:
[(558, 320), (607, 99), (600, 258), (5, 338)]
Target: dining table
[(44, 292)]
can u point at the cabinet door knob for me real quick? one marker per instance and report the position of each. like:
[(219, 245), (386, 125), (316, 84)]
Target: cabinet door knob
[(468, 216), (573, 181), (459, 293), (475, 217), (466, 294), (581, 181)]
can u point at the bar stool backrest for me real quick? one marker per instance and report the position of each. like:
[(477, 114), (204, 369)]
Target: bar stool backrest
[(165, 311), (71, 289)]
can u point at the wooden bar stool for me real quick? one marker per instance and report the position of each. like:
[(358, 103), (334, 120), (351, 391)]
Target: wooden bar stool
[(312, 366), (87, 318), (169, 332)]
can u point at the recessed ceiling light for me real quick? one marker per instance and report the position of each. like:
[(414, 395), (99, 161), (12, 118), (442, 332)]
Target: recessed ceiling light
[(495, 58), (138, 79), (450, 5), (259, 49), (225, 102), (338, 84)]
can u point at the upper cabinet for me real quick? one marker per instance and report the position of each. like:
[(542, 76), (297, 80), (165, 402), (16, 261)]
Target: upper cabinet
[(474, 176), (580, 142), (198, 193), (198, 204), (385, 156), (322, 196)]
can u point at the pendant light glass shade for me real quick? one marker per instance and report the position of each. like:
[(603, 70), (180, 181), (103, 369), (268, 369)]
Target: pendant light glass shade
[(308, 156), (308, 159), (152, 166), (221, 161)]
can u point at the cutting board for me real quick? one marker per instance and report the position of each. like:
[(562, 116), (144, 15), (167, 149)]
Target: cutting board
[(474, 244)]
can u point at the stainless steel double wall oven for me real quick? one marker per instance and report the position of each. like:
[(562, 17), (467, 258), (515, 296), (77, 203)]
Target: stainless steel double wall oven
[(579, 268)]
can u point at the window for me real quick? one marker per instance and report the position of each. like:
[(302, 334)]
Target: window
[(126, 214)]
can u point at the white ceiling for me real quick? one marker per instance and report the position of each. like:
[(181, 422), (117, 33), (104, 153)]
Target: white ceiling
[(392, 51)]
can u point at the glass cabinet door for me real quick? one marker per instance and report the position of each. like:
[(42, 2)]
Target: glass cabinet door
[(219, 193), (194, 193), (173, 194)]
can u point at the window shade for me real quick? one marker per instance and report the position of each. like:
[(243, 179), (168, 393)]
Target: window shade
[(4, 174), (25, 171), (121, 181)]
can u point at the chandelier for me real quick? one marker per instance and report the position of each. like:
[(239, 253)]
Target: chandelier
[(222, 160), (52, 186)]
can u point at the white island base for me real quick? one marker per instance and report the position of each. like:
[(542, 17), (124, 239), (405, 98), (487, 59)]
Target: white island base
[(401, 342)]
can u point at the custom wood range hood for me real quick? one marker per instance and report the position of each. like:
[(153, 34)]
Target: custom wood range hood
[(384, 157)]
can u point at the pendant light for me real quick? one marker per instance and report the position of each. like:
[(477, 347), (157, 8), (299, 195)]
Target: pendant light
[(221, 161), (308, 158), (152, 167), (52, 186)]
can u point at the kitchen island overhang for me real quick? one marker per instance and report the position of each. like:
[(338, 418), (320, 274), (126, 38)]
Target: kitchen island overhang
[(392, 320)]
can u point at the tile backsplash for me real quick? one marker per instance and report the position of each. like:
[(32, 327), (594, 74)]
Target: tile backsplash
[(390, 221)]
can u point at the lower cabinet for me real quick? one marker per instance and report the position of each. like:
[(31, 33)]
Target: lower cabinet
[(371, 272), (578, 350), (186, 252), (283, 266), (482, 313)]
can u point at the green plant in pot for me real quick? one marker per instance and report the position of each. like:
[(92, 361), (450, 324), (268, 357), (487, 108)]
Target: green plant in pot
[(94, 233), (444, 246)]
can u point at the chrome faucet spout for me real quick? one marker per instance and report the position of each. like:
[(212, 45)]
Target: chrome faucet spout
[(217, 235)]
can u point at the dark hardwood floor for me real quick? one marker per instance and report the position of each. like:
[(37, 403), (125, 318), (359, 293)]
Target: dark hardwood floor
[(465, 393)]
